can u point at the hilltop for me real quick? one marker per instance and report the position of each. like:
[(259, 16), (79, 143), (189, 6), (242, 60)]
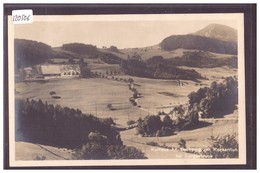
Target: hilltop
[(220, 32)]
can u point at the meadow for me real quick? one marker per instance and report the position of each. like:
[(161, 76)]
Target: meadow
[(94, 94)]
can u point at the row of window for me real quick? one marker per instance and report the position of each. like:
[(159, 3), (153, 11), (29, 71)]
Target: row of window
[(71, 73)]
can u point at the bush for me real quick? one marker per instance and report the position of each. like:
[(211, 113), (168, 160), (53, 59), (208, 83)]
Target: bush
[(152, 144), (165, 131), (110, 107), (124, 152), (131, 122), (149, 126), (91, 151), (217, 100), (182, 143), (113, 48), (97, 148), (152, 125), (86, 72), (40, 157), (132, 100), (52, 93), (222, 147), (186, 120), (108, 121)]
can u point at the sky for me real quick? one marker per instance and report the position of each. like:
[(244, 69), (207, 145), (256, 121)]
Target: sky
[(120, 32)]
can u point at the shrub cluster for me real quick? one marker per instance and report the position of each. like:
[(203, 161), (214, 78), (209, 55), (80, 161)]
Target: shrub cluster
[(216, 100), (152, 125), (222, 147), (99, 148)]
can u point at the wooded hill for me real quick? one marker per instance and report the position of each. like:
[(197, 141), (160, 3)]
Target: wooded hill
[(198, 43)]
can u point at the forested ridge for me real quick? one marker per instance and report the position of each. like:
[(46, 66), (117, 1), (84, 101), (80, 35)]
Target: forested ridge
[(157, 68), (196, 42), (202, 59), (28, 53)]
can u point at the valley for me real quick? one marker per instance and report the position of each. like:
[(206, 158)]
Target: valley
[(158, 78)]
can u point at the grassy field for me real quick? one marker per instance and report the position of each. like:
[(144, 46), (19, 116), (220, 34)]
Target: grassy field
[(214, 74), (149, 52), (94, 94), (89, 95), (30, 151), (195, 139)]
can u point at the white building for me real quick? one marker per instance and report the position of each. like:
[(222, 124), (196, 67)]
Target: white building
[(50, 71)]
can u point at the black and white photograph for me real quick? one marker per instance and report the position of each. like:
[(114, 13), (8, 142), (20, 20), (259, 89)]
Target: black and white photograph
[(127, 89)]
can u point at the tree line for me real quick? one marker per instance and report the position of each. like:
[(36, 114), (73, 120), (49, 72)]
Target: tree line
[(164, 125), (152, 125), (217, 100), (196, 42), (81, 48), (202, 59), (157, 68)]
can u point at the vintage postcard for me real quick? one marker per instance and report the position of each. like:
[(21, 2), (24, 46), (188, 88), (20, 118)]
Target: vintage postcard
[(108, 90)]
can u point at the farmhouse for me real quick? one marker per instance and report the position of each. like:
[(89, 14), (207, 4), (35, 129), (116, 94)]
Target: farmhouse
[(50, 71)]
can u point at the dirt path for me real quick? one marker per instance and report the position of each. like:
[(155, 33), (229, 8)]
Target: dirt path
[(148, 111), (50, 152)]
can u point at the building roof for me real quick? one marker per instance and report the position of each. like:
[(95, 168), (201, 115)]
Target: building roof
[(50, 69)]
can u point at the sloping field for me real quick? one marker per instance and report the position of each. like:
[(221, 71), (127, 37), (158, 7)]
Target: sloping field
[(89, 95), (214, 74), (118, 54), (93, 95), (195, 139), (162, 95), (99, 66), (149, 52), (30, 151), (152, 152)]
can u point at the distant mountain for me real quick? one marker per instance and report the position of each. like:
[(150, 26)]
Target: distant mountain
[(220, 32), (198, 43)]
